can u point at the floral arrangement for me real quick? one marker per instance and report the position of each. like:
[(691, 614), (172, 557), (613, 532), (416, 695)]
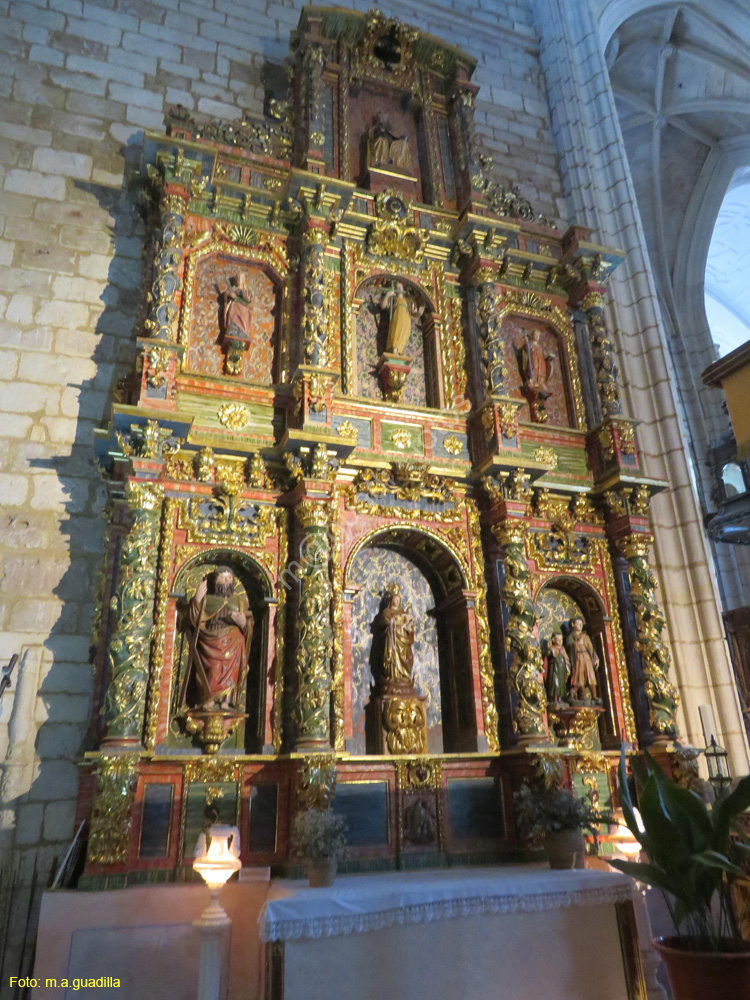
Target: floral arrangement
[(548, 810), (319, 834)]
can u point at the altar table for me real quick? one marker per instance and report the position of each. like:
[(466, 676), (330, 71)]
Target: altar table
[(512, 933)]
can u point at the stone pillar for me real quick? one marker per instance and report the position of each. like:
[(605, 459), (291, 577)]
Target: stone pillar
[(526, 669), (600, 195), (312, 708), (133, 604), (649, 622)]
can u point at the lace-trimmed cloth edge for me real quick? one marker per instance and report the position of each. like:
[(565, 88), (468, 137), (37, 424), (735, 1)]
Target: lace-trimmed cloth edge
[(445, 909)]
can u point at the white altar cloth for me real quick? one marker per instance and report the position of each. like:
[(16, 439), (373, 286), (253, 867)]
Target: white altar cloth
[(358, 903), (512, 933)]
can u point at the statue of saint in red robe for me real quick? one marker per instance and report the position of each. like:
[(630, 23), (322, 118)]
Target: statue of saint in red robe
[(219, 629)]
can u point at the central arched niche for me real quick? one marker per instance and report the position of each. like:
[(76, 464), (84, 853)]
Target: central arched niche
[(442, 660), (253, 584)]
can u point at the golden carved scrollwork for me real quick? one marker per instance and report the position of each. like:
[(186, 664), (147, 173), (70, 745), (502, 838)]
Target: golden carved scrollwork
[(486, 673), (226, 518), (661, 693), (112, 812)]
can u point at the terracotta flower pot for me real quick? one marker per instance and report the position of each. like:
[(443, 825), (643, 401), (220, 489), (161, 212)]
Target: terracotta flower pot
[(565, 848), (321, 873), (704, 975)]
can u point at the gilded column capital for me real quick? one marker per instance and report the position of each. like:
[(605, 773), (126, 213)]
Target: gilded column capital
[(313, 513)]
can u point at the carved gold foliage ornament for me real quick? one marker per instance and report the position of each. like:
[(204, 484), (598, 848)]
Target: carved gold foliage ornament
[(337, 625), (226, 518), (166, 279), (452, 445), (547, 456), (230, 475), (403, 485), (317, 781), (112, 811), (526, 669), (661, 693), (133, 606), (280, 630), (346, 429), (402, 438), (257, 474), (604, 362), (234, 416), (639, 503), (486, 672), (211, 770), (205, 470), (548, 769), (158, 363), (161, 605), (312, 709)]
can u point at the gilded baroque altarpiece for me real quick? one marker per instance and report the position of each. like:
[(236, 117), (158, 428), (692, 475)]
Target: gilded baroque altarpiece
[(380, 390)]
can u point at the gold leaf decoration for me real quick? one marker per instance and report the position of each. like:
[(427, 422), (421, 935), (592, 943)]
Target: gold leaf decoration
[(452, 445), (235, 416)]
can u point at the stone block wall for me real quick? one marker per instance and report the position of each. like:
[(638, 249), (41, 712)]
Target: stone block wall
[(79, 82)]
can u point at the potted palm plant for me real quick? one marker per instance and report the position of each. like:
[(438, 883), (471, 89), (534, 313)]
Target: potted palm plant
[(694, 855), (320, 834), (559, 818)]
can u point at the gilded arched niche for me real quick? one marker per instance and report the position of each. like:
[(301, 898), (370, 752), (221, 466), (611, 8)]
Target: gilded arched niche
[(371, 335), (210, 275), (558, 601), (429, 578), (518, 333), (251, 582)]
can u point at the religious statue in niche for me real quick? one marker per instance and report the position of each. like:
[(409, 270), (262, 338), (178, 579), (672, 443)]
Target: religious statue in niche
[(584, 662), (536, 369), (399, 712), (398, 625), (219, 628), (385, 149), (237, 318), (558, 669), (394, 364)]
